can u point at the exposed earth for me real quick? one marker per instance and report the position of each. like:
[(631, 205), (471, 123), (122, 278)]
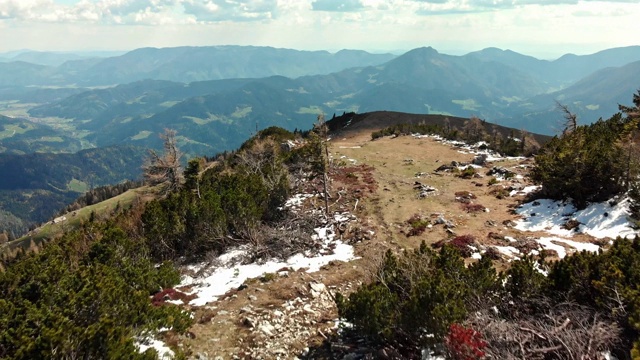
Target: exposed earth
[(291, 314)]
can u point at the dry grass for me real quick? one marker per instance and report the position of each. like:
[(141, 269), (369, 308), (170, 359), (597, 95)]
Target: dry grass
[(378, 182)]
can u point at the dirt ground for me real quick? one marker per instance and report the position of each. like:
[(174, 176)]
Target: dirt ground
[(225, 329)]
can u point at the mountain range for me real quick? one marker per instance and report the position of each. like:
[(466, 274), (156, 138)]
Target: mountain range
[(247, 87), (184, 64), (216, 97)]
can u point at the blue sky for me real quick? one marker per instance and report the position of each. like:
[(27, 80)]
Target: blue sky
[(543, 28)]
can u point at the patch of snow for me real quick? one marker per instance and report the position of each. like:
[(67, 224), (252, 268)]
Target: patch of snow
[(146, 343), (547, 243), (476, 256), (511, 239), (465, 148), (228, 276), (579, 246), (609, 356), (464, 167), (542, 271), (599, 220), (526, 190), (428, 354), (508, 250), (297, 200)]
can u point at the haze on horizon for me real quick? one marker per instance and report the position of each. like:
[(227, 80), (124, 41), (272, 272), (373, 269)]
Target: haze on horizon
[(541, 28)]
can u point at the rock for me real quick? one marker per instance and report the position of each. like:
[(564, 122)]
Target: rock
[(267, 328), (252, 298), (572, 224), (249, 322), (480, 159), (502, 172), (307, 308), (509, 223), (317, 289), (444, 168)]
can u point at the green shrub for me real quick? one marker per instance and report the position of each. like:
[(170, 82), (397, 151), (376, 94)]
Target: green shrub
[(585, 165), (468, 172), (417, 225), (86, 295), (421, 292)]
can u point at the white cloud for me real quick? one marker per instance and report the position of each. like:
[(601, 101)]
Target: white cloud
[(528, 26), (228, 10), (337, 5)]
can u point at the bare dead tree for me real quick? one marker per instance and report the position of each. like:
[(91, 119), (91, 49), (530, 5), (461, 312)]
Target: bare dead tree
[(164, 168), (565, 331), (570, 119), (474, 129), (323, 132), (632, 112), (262, 159)]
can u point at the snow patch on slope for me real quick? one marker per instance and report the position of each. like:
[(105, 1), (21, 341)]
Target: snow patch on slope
[(600, 220)]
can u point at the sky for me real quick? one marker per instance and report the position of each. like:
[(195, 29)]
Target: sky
[(541, 28)]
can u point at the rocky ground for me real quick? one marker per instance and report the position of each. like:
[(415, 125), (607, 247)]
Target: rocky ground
[(291, 313)]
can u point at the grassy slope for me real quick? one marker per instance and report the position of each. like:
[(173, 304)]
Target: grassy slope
[(51, 230)]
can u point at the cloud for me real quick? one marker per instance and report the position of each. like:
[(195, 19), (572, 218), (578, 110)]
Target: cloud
[(152, 12), (10, 9), (435, 7), (337, 5), (228, 10), (107, 11)]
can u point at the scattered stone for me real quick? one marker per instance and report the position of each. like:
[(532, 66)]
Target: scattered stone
[(572, 224), (444, 168), (490, 223), (246, 310), (249, 322), (501, 172), (267, 328), (480, 160), (317, 289)]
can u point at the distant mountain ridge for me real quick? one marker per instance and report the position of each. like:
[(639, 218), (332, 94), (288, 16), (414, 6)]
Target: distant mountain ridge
[(595, 96), (500, 86), (187, 64), (217, 115), (564, 70)]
